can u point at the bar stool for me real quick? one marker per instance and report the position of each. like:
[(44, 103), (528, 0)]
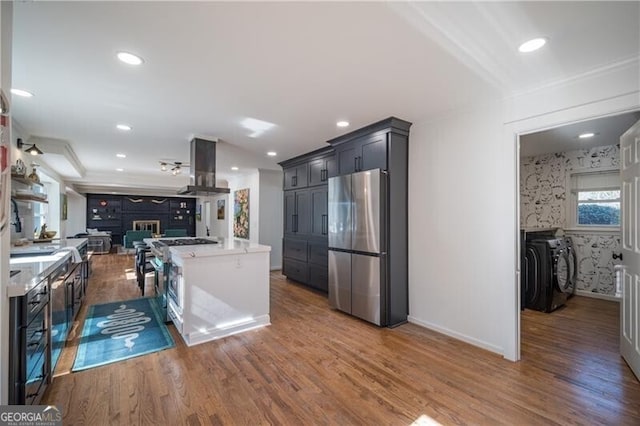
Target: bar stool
[(142, 264)]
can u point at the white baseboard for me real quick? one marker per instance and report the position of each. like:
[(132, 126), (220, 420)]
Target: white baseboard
[(215, 333), (468, 339), (597, 295)]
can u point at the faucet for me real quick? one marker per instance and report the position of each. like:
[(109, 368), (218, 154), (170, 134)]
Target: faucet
[(207, 231)]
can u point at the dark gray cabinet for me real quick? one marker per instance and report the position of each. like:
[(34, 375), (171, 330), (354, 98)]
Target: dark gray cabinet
[(29, 337), (304, 252), (296, 208), (296, 176), (321, 169), (384, 145), (363, 153), (319, 206)]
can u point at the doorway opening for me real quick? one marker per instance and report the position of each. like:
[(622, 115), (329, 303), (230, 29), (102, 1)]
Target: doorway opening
[(569, 202)]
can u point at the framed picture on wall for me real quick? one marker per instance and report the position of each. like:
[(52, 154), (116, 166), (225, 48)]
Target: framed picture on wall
[(63, 206), (220, 209), (241, 213)]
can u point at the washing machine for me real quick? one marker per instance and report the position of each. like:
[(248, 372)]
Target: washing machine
[(547, 284), (573, 265)]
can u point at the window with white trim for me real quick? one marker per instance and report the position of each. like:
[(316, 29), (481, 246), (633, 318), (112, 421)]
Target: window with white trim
[(595, 199)]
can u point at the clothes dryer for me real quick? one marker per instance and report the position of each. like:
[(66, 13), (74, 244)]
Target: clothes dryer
[(573, 265), (547, 269)]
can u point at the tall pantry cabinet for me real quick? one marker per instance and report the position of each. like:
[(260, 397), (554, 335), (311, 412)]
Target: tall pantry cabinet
[(305, 254)]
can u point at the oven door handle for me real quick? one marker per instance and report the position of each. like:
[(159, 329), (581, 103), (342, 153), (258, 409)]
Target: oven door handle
[(158, 265)]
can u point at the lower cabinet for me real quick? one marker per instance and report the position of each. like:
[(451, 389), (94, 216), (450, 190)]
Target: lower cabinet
[(295, 270), (39, 323), (305, 261), (29, 345)]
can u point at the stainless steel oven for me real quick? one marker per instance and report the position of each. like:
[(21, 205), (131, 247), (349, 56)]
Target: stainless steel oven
[(161, 276), (174, 288)]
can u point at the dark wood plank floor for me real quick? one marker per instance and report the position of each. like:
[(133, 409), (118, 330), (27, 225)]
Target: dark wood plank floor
[(315, 366)]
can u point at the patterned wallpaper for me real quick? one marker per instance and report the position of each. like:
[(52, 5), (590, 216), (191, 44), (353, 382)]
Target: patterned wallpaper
[(542, 205), (595, 261)]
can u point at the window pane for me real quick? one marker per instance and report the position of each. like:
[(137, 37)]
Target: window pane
[(598, 195), (601, 213)]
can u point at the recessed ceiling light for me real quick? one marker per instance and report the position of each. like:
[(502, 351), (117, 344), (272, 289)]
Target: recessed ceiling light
[(23, 93), (234, 168), (124, 127), (342, 123), (532, 45), (272, 153), (586, 135), (130, 58), (119, 170), (121, 155)]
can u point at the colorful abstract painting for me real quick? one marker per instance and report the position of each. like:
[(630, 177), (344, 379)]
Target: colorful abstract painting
[(241, 213), (220, 209)]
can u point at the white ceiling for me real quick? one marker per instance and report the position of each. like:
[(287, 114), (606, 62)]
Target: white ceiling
[(301, 66), (606, 130)]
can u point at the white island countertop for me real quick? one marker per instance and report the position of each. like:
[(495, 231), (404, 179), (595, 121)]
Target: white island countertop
[(36, 262), (224, 247)]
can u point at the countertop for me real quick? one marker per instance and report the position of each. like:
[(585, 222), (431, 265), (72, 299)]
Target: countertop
[(36, 262), (225, 247)]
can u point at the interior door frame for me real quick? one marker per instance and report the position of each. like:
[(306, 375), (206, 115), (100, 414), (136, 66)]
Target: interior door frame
[(603, 108)]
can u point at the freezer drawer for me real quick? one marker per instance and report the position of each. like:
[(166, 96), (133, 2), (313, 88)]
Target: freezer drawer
[(367, 279), (340, 280)]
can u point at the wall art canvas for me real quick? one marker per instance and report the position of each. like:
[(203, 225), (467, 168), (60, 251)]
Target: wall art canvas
[(63, 207), (220, 209), (241, 213)]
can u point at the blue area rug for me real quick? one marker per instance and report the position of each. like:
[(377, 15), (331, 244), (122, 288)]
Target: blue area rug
[(121, 330)]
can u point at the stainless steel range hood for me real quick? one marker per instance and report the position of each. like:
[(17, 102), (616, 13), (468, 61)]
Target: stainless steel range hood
[(203, 169)]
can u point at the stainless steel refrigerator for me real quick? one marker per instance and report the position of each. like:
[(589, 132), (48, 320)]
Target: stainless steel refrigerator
[(358, 245)]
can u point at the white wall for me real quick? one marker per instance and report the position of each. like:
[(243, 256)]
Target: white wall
[(76, 214), (249, 180), (271, 226), (6, 23), (265, 209), (463, 222), (217, 227)]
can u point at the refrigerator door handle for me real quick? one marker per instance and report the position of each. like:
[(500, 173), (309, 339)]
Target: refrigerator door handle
[(324, 224)]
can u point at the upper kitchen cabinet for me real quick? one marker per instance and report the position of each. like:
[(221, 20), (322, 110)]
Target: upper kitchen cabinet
[(370, 147), (296, 176), (321, 169), (365, 153), (296, 212)]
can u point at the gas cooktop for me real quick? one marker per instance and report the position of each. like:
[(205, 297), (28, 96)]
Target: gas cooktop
[(184, 242)]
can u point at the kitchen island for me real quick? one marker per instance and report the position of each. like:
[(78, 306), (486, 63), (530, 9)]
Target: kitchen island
[(216, 290)]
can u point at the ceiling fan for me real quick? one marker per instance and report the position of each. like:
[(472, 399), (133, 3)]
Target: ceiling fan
[(174, 166)]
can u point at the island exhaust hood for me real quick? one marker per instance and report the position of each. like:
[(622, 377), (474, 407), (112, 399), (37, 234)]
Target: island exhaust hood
[(203, 170)]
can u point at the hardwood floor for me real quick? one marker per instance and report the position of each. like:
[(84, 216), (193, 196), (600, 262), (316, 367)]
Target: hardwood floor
[(314, 366)]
